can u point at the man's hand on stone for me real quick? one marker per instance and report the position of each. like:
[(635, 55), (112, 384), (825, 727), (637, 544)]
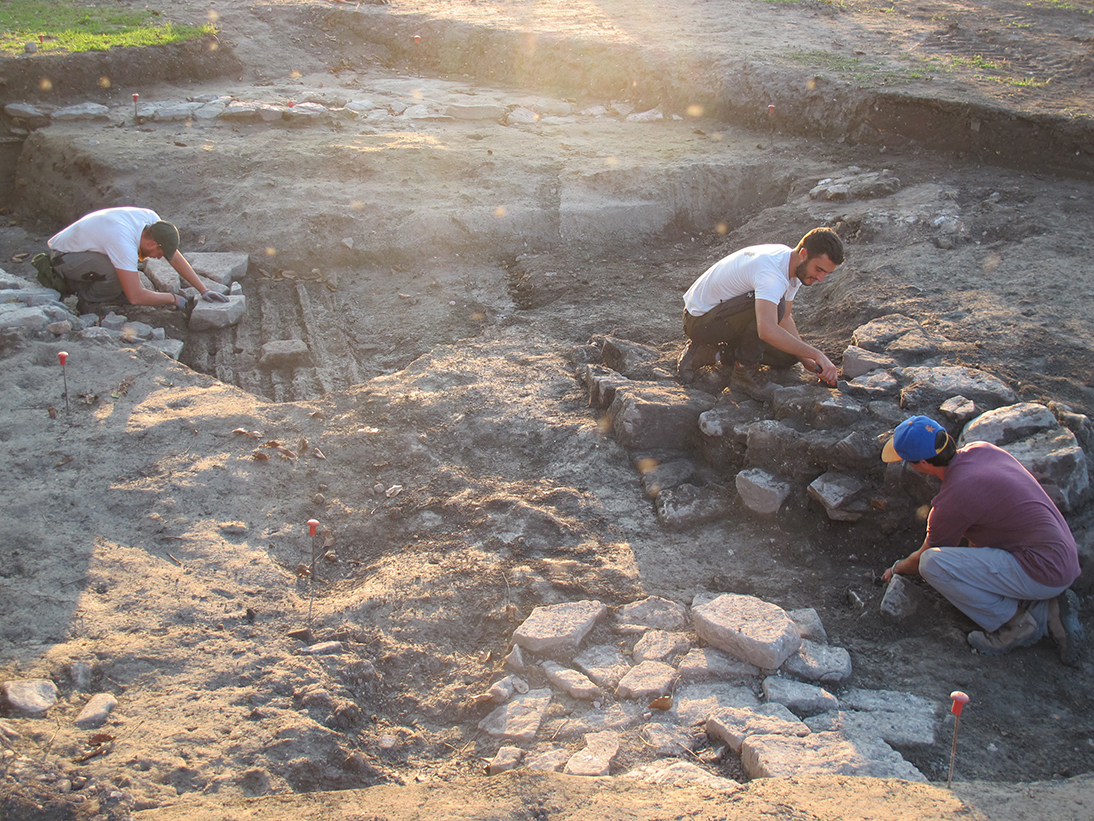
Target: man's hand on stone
[(213, 296)]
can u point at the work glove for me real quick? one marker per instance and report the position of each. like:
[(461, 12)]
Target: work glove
[(180, 302), (213, 296)]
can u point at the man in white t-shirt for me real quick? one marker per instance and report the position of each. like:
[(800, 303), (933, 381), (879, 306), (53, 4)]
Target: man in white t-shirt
[(98, 256), (742, 308)]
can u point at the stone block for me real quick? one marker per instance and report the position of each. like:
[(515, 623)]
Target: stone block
[(168, 347), (96, 711), (284, 353), (658, 416), (482, 111), (81, 112), (573, 683), (694, 704), (772, 756), (519, 719), (1058, 463), (761, 492), (602, 383), (216, 315), (929, 387), (733, 725), (902, 598), (859, 362), (876, 334), (819, 662), (959, 410), (604, 664), (31, 319), (658, 475), (658, 645), (749, 628), (559, 627), (673, 772), (1002, 426), (596, 759), (628, 357), (809, 624), (798, 696), (703, 663), (839, 494), (30, 295), (222, 268), (31, 697), (647, 680), (687, 506), (241, 111), (505, 759), (651, 613), (874, 386)]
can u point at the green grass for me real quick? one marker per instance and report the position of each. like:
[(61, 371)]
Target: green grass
[(1061, 4), (827, 60), (68, 27)]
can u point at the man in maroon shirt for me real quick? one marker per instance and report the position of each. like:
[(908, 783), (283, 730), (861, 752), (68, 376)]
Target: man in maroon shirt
[(1013, 577)]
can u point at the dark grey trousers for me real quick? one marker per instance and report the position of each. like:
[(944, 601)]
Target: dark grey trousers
[(92, 275), (731, 326)]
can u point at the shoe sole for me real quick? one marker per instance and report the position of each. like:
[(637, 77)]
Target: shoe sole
[(1071, 647), (990, 650)]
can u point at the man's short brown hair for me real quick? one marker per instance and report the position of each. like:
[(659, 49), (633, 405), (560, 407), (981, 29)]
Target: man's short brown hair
[(822, 241)]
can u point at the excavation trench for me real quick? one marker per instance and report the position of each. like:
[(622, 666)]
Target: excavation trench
[(415, 258)]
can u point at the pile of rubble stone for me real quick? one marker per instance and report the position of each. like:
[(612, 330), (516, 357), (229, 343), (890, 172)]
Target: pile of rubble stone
[(734, 672), (42, 312), (316, 108), (704, 450)]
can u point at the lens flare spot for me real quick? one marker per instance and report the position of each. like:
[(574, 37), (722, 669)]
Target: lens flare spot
[(295, 75), (645, 465), (499, 212), (357, 205), (695, 110), (45, 84), (611, 161), (212, 15), (104, 82), (213, 45), (722, 228), (271, 251)]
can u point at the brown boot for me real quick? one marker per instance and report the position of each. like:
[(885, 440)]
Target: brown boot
[(1020, 631), (694, 357), (753, 382), (1064, 626)]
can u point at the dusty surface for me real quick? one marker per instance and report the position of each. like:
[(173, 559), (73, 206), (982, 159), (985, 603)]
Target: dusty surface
[(461, 470)]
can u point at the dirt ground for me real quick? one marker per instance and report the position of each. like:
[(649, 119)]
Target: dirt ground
[(441, 438)]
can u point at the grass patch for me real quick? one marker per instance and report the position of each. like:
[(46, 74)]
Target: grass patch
[(63, 26), (1063, 5), (827, 60)]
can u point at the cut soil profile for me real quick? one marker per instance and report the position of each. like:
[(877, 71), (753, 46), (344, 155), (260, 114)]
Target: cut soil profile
[(461, 477)]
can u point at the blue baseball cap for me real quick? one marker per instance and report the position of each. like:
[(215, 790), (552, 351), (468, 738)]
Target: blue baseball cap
[(913, 440)]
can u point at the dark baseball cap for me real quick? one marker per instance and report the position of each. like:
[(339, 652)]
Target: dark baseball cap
[(166, 236)]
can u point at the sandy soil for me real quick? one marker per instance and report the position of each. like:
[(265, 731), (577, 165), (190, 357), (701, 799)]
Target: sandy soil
[(445, 446)]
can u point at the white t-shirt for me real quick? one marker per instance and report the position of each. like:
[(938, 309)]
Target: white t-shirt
[(115, 232), (763, 269)]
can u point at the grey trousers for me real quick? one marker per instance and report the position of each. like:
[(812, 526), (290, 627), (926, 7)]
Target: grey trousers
[(986, 584), (90, 274), (731, 326)]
